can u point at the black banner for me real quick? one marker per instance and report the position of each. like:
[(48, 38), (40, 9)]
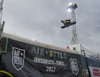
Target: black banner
[(26, 60)]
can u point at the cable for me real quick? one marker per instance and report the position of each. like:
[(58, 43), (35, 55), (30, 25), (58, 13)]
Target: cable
[(5, 72)]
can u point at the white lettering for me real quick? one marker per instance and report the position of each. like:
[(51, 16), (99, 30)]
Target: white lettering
[(50, 69), (46, 61)]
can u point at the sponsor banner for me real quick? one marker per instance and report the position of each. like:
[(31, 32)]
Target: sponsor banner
[(95, 71), (26, 60)]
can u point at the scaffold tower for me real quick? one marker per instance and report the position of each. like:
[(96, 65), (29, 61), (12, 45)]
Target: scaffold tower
[(72, 7)]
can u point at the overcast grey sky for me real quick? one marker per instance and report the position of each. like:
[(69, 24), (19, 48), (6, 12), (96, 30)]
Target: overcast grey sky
[(40, 19)]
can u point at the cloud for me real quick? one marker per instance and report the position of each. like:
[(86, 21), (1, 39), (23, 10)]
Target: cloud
[(40, 19)]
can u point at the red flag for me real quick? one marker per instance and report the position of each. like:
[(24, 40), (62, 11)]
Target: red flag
[(68, 47)]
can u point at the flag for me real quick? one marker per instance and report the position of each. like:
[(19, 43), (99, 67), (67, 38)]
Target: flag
[(68, 47)]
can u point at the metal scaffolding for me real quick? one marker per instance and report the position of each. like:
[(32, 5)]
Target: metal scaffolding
[(74, 34)]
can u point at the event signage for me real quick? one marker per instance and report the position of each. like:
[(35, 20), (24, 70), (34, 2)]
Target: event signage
[(26, 60), (95, 71), (18, 56)]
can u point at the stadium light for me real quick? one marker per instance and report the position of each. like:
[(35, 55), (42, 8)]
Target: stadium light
[(69, 10), (71, 7), (70, 4)]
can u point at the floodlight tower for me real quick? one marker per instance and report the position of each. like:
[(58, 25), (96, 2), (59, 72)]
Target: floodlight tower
[(71, 8)]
